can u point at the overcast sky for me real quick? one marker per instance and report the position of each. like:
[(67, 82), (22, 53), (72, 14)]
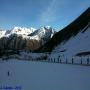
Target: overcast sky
[(37, 13)]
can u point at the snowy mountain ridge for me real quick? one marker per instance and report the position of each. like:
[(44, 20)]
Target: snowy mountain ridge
[(25, 32), (22, 31), (21, 38), (43, 32)]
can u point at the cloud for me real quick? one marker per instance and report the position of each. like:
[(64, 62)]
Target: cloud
[(48, 15)]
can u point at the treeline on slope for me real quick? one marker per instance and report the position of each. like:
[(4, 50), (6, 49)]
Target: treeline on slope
[(70, 31), (15, 43)]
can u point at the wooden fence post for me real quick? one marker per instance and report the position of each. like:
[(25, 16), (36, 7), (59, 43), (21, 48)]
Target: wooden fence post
[(72, 60), (58, 60), (54, 60), (87, 60), (81, 60)]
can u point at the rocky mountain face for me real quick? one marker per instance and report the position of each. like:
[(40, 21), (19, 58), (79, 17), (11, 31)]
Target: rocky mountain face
[(25, 38), (81, 24)]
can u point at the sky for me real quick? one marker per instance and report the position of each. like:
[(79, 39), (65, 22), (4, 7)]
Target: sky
[(37, 13)]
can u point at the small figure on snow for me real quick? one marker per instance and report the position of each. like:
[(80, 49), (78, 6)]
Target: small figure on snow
[(8, 73)]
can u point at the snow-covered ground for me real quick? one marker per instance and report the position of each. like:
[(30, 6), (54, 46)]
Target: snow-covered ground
[(27, 56), (44, 76)]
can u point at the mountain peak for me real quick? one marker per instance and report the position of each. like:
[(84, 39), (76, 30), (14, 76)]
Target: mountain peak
[(29, 37)]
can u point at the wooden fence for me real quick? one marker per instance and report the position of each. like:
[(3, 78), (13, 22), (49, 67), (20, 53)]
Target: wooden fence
[(59, 60), (73, 60)]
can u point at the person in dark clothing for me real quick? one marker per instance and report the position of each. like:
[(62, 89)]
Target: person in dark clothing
[(8, 73)]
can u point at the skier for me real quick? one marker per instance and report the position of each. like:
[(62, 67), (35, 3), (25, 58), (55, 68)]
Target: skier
[(8, 73)]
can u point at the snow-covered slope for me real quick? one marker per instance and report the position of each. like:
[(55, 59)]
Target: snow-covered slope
[(76, 44), (43, 32), (43, 76), (68, 32), (20, 31)]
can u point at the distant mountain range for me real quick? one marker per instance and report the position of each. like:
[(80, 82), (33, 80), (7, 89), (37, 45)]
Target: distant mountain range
[(73, 39), (25, 38)]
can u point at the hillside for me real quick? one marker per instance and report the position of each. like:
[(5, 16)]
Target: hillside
[(78, 45), (71, 31), (20, 38)]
